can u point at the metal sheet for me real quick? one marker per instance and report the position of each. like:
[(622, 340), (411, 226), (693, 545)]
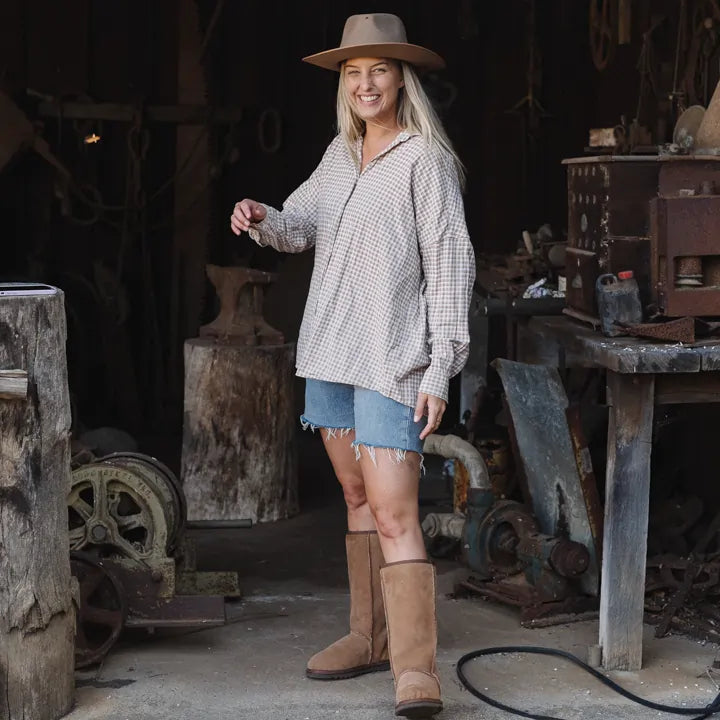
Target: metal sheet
[(538, 403), (180, 611)]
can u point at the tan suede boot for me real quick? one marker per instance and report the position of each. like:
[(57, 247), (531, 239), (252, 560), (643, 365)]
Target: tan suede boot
[(364, 649), (409, 592)]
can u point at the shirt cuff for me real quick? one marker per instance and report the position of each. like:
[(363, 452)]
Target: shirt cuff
[(259, 229), (436, 381)]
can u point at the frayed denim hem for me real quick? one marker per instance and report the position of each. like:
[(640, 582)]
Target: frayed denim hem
[(332, 432), (397, 455)]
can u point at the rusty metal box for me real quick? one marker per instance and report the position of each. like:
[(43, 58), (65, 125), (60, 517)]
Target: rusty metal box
[(685, 237), (608, 223), (686, 229)]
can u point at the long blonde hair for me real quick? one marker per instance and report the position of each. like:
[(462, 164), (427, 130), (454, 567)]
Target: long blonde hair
[(415, 114)]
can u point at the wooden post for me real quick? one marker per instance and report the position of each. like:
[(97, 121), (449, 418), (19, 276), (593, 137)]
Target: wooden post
[(624, 22), (627, 499), (192, 199), (239, 456), (37, 619)]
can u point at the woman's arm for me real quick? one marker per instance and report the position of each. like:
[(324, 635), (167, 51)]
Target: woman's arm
[(448, 263), (291, 229)]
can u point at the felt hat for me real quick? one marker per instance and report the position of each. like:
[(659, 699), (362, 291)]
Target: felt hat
[(379, 35)]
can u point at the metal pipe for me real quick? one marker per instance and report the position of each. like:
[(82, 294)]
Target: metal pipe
[(455, 448), (444, 525), (452, 447)]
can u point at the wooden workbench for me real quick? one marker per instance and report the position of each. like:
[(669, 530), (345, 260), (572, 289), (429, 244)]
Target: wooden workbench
[(640, 375)]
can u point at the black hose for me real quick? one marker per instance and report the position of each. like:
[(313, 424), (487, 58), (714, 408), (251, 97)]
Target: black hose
[(711, 709)]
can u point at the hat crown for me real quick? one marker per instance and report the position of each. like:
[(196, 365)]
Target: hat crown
[(373, 28)]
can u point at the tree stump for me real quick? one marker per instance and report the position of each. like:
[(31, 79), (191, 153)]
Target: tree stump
[(37, 619), (239, 458)]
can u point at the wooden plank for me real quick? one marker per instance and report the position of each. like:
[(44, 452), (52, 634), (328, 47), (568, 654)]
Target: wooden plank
[(626, 519), (13, 384), (621, 354), (680, 388), (709, 355)]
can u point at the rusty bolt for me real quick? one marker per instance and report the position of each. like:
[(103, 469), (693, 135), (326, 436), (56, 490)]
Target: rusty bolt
[(99, 533)]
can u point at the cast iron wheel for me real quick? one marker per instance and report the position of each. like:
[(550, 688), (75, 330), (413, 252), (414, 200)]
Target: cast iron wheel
[(115, 512), (166, 483), (101, 614)]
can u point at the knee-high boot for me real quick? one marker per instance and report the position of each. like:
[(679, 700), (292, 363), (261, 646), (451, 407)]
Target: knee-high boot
[(364, 649), (409, 593)]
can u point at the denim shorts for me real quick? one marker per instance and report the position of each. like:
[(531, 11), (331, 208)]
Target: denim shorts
[(378, 421)]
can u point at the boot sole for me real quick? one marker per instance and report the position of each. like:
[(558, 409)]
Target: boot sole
[(419, 709), (347, 674)]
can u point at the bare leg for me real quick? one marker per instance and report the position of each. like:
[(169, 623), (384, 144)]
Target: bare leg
[(349, 474), (364, 649), (392, 493)]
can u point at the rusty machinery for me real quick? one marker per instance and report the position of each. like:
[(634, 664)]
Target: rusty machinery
[(658, 216), (510, 559), (515, 563), (131, 556)]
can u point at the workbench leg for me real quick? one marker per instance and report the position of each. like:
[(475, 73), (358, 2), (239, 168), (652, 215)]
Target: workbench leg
[(627, 497)]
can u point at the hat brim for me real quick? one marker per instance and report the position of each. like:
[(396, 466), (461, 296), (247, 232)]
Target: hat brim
[(413, 54)]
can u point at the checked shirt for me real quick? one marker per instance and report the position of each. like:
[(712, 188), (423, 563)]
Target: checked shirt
[(394, 268)]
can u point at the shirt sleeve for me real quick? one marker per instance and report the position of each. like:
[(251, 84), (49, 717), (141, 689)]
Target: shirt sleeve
[(293, 228), (448, 263)]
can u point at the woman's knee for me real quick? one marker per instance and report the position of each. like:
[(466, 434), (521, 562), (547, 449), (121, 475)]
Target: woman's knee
[(353, 490), (394, 522)]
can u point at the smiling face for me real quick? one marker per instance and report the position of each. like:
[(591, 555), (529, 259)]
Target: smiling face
[(372, 86)]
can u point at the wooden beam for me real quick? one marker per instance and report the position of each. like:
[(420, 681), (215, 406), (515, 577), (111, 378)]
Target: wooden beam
[(13, 384), (627, 500), (687, 388), (624, 22), (180, 114)]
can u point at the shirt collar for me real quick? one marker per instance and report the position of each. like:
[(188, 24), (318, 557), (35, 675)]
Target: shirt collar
[(401, 137)]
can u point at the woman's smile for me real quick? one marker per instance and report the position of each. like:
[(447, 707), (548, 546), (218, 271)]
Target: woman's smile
[(373, 85)]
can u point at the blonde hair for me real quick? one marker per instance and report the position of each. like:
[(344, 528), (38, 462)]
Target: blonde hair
[(415, 114)]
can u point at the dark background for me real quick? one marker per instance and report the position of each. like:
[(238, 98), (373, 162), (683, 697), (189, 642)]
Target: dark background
[(135, 281)]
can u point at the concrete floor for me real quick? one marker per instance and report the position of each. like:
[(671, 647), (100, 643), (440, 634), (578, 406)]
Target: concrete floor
[(294, 579)]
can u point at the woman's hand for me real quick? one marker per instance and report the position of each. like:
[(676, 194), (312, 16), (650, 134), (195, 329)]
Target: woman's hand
[(246, 211), (433, 407)]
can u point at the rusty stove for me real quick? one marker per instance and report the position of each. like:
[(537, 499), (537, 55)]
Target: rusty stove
[(657, 216)]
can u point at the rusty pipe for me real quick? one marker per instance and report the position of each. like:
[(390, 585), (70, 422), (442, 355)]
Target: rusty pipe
[(455, 448)]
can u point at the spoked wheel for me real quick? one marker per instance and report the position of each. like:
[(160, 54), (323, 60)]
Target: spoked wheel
[(114, 512), (165, 483), (101, 615), (602, 32)]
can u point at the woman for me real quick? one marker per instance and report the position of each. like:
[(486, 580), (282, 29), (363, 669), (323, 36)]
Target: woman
[(384, 329)]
